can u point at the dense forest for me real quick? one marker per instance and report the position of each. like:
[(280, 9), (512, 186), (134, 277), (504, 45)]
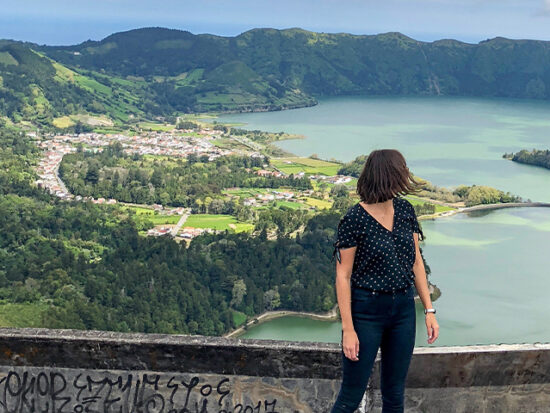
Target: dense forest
[(82, 265), (538, 157), (158, 72), (184, 182)]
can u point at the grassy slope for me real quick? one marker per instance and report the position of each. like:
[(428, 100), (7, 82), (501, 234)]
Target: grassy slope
[(44, 91), (21, 314), (159, 72), (285, 64)]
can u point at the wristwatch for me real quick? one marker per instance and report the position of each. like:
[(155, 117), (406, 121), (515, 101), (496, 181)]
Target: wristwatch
[(429, 310)]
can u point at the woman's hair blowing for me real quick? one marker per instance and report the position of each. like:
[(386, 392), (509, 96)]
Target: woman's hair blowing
[(384, 176)]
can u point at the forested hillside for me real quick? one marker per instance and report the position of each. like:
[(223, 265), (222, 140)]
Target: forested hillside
[(82, 265), (34, 88), (321, 63), (156, 71)]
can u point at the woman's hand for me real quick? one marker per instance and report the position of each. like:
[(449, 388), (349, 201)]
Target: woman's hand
[(432, 326), (350, 345)]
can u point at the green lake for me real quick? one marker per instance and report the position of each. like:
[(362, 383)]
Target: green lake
[(493, 271), (493, 267), (446, 140)]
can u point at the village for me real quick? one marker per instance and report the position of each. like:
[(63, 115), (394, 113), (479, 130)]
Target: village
[(199, 143)]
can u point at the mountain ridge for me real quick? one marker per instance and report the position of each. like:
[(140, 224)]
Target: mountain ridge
[(169, 71)]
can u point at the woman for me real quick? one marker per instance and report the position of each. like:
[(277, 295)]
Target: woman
[(378, 261)]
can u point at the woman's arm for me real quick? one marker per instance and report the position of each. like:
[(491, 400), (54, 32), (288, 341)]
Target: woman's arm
[(350, 342), (421, 284)]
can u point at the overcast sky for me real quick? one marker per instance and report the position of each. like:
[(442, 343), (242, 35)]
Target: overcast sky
[(73, 21)]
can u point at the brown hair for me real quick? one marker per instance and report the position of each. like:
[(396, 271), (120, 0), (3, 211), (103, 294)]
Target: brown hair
[(384, 176)]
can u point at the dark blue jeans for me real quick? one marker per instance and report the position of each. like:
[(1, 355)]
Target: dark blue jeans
[(386, 321)]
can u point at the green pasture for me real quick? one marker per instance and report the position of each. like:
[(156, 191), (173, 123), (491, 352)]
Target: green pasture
[(419, 201), (293, 165), (158, 219), (158, 127), (277, 203), (153, 216), (317, 203), (216, 221), (108, 131), (245, 192), (289, 204), (21, 314), (7, 59), (63, 122), (238, 317)]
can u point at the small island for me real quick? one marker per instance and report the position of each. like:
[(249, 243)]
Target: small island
[(537, 157)]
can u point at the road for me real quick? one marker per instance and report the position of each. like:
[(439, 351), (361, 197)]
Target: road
[(180, 223), (60, 181)]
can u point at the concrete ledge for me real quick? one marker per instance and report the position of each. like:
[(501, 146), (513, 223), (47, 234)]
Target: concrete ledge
[(431, 366), (299, 376)]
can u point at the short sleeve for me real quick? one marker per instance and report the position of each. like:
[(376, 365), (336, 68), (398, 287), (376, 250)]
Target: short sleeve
[(414, 221), (346, 236)]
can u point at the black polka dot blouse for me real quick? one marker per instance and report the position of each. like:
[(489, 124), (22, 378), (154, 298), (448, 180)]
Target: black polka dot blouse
[(384, 258)]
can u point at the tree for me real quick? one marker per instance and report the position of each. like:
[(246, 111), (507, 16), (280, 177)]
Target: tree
[(272, 299), (337, 190), (238, 293), (92, 176)]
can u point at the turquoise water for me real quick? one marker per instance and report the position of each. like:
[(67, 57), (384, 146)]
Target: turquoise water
[(447, 140), (492, 267), (493, 270)]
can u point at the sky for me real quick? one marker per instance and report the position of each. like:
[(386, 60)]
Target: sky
[(64, 22)]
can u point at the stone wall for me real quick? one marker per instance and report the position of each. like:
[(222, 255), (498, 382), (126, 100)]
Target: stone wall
[(75, 371)]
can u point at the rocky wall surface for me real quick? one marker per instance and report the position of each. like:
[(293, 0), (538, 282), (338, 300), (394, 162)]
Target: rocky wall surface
[(74, 371)]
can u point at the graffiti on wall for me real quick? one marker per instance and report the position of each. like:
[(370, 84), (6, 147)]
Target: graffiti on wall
[(57, 391)]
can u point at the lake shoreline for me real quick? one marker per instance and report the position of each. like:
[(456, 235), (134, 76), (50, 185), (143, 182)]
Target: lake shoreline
[(332, 315), (480, 207)]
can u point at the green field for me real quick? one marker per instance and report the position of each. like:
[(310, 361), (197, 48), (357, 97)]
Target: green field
[(419, 201), (245, 192), (317, 203), (293, 165), (7, 59), (215, 221), (158, 127), (158, 219), (107, 131), (238, 317), (138, 210), (153, 216), (63, 122), (21, 314), (186, 79), (276, 203), (289, 204)]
